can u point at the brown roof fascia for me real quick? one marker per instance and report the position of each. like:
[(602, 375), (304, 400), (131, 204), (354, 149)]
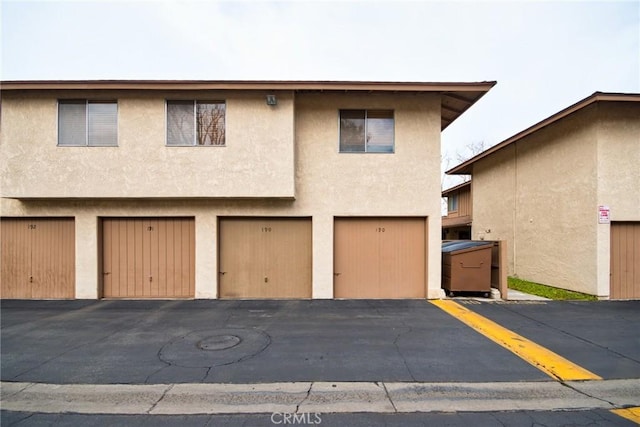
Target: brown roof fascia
[(456, 188), (466, 168), (246, 85), (475, 90)]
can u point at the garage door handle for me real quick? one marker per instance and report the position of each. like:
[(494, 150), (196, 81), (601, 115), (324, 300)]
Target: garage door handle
[(223, 272), (337, 274), (106, 273)]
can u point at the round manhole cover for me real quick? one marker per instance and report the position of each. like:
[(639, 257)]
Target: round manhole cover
[(214, 347), (218, 342)]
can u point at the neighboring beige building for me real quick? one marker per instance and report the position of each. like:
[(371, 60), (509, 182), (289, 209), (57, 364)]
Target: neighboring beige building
[(456, 225), (205, 189), (565, 195)]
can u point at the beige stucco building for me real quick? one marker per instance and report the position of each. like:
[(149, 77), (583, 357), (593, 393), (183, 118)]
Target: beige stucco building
[(565, 195), (203, 189)]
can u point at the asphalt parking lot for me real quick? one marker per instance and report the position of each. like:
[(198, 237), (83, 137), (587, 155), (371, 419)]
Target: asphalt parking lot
[(316, 341), (145, 342)]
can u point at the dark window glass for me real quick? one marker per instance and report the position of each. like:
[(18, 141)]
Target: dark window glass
[(370, 131)]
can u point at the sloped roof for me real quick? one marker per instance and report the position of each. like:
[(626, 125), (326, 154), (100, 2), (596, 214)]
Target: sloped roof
[(457, 97), (456, 188), (466, 167)]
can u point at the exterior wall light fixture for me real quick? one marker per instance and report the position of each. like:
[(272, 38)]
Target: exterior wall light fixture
[(272, 100)]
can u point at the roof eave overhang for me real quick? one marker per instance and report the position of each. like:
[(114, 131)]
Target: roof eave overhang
[(456, 97), (466, 168), (246, 85), (456, 188)]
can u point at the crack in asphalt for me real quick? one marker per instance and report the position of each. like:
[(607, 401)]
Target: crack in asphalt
[(126, 326), (22, 419), (33, 324), (570, 334), (206, 374), (102, 338), (226, 321), (209, 368), (146, 380), (395, 343), (246, 356), (495, 417), (72, 349), (167, 365), (408, 330)]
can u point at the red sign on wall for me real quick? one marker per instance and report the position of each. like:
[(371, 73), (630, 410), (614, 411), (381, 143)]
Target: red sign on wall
[(604, 215)]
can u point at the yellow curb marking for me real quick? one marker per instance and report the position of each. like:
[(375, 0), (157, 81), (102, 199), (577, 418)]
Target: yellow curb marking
[(547, 361), (632, 414)]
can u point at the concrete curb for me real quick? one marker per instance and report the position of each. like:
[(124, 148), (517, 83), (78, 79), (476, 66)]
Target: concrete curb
[(317, 397)]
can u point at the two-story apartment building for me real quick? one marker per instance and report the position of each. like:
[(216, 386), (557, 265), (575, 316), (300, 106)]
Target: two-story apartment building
[(209, 189), (456, 225), (565, 195)]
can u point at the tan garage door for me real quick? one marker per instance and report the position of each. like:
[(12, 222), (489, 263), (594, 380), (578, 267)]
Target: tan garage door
[(148, 257), (379, 258), (625, 260), (265, 258), (38, 258)]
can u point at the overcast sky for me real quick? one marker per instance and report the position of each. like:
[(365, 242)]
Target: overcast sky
[(544, 55)]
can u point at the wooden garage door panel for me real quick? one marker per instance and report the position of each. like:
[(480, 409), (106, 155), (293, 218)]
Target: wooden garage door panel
[(53, 264), (265, 258), (379, 258), (148, 257), (16, 256), (625, 260), (402, 259), (356, 252), (38, 258)]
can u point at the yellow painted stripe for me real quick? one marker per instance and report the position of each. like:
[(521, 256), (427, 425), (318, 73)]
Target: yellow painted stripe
[(632, 414), (540, 357)]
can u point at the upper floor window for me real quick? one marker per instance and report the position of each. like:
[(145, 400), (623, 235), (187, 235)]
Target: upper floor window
[(452, 203), (366, 131), (195, 123), (87, 123)]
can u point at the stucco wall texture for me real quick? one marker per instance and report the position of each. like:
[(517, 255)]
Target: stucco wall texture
[(278, 161), (257, 160), (542, 193)]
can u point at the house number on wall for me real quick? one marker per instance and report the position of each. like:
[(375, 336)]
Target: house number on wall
[(266, 229), (149, 228), (32, 226), (380, 229)]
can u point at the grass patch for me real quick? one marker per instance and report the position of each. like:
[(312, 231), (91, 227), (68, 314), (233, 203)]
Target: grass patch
[(547, 291)]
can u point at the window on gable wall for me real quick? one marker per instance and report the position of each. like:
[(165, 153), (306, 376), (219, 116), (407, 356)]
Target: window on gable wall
[(366, 131), (191, 123), (87, 123)]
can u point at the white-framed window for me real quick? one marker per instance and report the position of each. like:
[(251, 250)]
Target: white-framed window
[(452, 203), (196, 123), (83, 123), (366, 131)]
